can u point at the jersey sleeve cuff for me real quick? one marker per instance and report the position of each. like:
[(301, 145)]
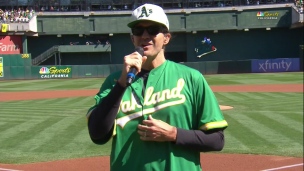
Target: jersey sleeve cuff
[(215, 125)]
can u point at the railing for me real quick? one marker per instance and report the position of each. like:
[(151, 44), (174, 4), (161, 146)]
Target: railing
[(45, 55), (98, 5)]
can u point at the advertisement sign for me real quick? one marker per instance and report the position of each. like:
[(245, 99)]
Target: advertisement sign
[(10, 44), (261, 15), (1, 67), (275, 65), (204, 47), (55, 72)]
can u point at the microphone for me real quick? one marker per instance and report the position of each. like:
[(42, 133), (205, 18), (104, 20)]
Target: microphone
[(132, 72)]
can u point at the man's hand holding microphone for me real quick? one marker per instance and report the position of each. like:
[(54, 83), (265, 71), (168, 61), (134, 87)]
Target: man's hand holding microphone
[(132, 66)]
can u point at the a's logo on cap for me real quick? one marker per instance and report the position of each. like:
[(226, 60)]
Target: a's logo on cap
[(145, 12)]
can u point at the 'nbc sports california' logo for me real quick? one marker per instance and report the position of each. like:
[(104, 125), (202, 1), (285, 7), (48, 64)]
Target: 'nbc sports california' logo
[(44, 70), (260, 14), (55, 72), (267, 15)]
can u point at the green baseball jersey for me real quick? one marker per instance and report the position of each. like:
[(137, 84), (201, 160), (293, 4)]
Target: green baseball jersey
[(175, 94)]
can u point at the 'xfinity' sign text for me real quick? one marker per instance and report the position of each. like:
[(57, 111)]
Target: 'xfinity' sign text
[(276, 65), (269, 65)]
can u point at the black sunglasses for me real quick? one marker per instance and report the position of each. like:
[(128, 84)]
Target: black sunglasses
[(152, 30)]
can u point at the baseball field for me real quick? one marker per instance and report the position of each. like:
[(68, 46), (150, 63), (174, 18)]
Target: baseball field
[(43, 121)]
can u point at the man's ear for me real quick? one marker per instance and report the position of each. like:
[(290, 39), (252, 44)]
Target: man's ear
[(132, 38), (167, 38)]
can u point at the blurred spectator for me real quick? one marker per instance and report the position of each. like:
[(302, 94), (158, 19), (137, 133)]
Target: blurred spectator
[(89, 43), (299, 4)]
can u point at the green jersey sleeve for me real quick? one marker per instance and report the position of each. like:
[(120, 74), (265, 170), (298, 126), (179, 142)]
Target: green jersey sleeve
[(208, 110)]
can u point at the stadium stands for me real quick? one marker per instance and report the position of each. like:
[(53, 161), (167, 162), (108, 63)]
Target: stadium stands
[(19, 15)]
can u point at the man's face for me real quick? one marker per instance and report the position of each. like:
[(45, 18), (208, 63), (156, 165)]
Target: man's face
[(149, 35)]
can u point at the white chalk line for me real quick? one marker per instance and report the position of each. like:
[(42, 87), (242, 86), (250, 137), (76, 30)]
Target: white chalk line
[(283, 167), (3, 169)]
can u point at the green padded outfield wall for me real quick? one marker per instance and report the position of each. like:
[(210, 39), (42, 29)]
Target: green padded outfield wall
[(72, 71), (87, 71), (15, 66), (102, 71)]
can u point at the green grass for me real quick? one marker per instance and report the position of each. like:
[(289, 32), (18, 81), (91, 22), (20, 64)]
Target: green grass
[(43, 130), (264, 123), (53, 129), (50, 84), (94, 83), (263, 78)]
